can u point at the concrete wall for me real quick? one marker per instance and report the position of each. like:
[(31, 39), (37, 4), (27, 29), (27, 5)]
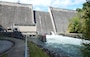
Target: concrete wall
[(61, 18), (26, 28), (56, 20), (11, 13), (43, 22)]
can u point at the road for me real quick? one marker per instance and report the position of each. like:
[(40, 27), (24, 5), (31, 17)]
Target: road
[(18, 49)]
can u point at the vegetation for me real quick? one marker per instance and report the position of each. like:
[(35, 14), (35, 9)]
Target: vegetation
[(75, 25), (86, 28), (4, 55), (36, 51), (86, 20), (81, 24), (85, 50), (1, 36)]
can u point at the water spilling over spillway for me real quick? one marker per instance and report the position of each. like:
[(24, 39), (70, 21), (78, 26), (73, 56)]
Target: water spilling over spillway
[(64, 45)]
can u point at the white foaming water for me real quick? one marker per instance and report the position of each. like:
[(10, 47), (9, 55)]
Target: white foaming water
[(65, 45), (64, 40)]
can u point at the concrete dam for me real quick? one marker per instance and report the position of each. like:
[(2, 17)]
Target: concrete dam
[(25, 19)]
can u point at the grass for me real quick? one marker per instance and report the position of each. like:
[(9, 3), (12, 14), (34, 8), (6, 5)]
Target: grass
[(35, 51), (4, 55), (1, 36)]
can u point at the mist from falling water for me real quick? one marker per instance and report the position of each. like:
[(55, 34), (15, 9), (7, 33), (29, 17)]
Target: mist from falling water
[(68, 45)]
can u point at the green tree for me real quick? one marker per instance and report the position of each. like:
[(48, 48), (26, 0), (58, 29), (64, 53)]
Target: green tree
[(85, 50), (81, 23), (86, 19), (86, 29), (78, 10), (74, 25)]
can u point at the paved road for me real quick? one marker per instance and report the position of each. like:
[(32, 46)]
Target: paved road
[(5, 45), (18, 49)]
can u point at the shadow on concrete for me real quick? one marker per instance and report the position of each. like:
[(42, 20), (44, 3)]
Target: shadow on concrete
[(14, 33)]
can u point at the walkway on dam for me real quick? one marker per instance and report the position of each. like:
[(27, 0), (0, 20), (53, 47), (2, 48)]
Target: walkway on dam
[(18, 49)]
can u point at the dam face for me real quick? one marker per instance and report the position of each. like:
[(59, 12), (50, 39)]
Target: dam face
[(43, 22), (56, 20), (13, 14), (61, 18)]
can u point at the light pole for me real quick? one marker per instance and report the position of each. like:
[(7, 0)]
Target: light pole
[(26, 45)]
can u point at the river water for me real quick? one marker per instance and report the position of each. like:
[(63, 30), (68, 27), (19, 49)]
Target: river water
[(62, 45), (65, 45)]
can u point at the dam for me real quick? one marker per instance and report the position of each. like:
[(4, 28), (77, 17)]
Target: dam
[(14, 15), (22, 17)]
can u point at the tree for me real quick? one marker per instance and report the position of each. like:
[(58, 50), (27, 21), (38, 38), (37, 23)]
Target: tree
[(85, 50), (75, 25), (86, 19), (86, 28), (78, 10)]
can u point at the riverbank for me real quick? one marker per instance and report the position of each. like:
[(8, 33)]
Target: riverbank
[(35, 51), (74, 35)]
